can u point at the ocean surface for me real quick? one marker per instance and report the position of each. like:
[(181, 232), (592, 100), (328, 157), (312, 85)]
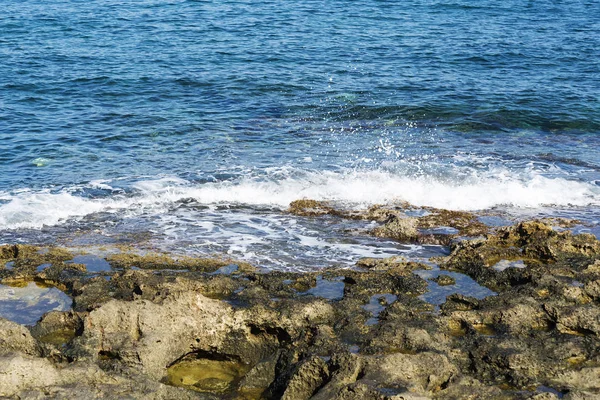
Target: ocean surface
[(189, 126)]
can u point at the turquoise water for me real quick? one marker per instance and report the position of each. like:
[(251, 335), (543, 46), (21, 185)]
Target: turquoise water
[(195, 123)]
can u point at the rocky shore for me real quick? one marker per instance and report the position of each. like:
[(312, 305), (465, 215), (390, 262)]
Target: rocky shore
[(154, 326)]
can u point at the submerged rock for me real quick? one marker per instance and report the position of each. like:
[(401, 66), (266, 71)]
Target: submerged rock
[(444, 280)]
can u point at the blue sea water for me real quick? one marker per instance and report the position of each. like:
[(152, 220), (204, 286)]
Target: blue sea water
[(190, 125)]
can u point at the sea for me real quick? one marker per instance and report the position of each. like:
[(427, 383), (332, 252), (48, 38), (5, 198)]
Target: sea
[(188, 126)]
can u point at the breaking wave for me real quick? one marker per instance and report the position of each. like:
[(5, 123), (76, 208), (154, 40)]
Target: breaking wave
[(278, 187)]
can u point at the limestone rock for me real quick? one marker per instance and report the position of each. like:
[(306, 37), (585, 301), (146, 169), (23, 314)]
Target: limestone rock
[(15, 337), (19, 371), (308, 376), (421, 373)]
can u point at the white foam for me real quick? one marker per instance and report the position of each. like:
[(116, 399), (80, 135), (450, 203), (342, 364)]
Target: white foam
[(34, 210), (470, 190)]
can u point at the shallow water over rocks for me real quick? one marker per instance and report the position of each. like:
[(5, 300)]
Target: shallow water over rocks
[(29, 301)]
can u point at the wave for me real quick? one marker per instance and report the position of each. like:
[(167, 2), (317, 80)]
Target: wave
[(280, 186)]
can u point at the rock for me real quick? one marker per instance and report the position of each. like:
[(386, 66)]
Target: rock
[(466, 223), (584, 379), (543, 396), (576, 320), (18, 372), (398, 228), (421, 373), (242, 334), (309, 375), (468, 388), (592, 269), (16, 338), (310, 208), (36, 378), (397, 264), (152, 336), (592, 289), (57, 327), (444, 280), (344, 370), (261, 376)]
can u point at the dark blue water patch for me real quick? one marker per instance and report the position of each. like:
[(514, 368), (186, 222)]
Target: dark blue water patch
[(436, 294), (505, 264), (42, 267), (92, 263), (327, 289), (495, 221), (26, 305), (440, 230), (378, 303), (226, 270), (546, 389)]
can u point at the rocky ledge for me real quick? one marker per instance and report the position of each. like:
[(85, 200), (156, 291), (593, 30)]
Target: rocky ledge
[(152, 326)]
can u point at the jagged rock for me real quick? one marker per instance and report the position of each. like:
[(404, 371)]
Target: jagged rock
[(310, 208), (421, 373), (576, 320), (400, 228), (152, 336), (344, 370), (309, 375), (16, 338), (261, 376), (584, 379), (392, 264), (444, 280), (18, 371)]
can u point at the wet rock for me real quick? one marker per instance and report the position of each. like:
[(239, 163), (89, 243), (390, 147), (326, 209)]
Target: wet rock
[(91, 294), (58, 328), (466, 223), (459, 302), (384, 213), (540, 250), (396, 264), (403, 229), (243, 334), (260, 376), (157, 261), (444, 280), (310, 208), (218, 376)]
